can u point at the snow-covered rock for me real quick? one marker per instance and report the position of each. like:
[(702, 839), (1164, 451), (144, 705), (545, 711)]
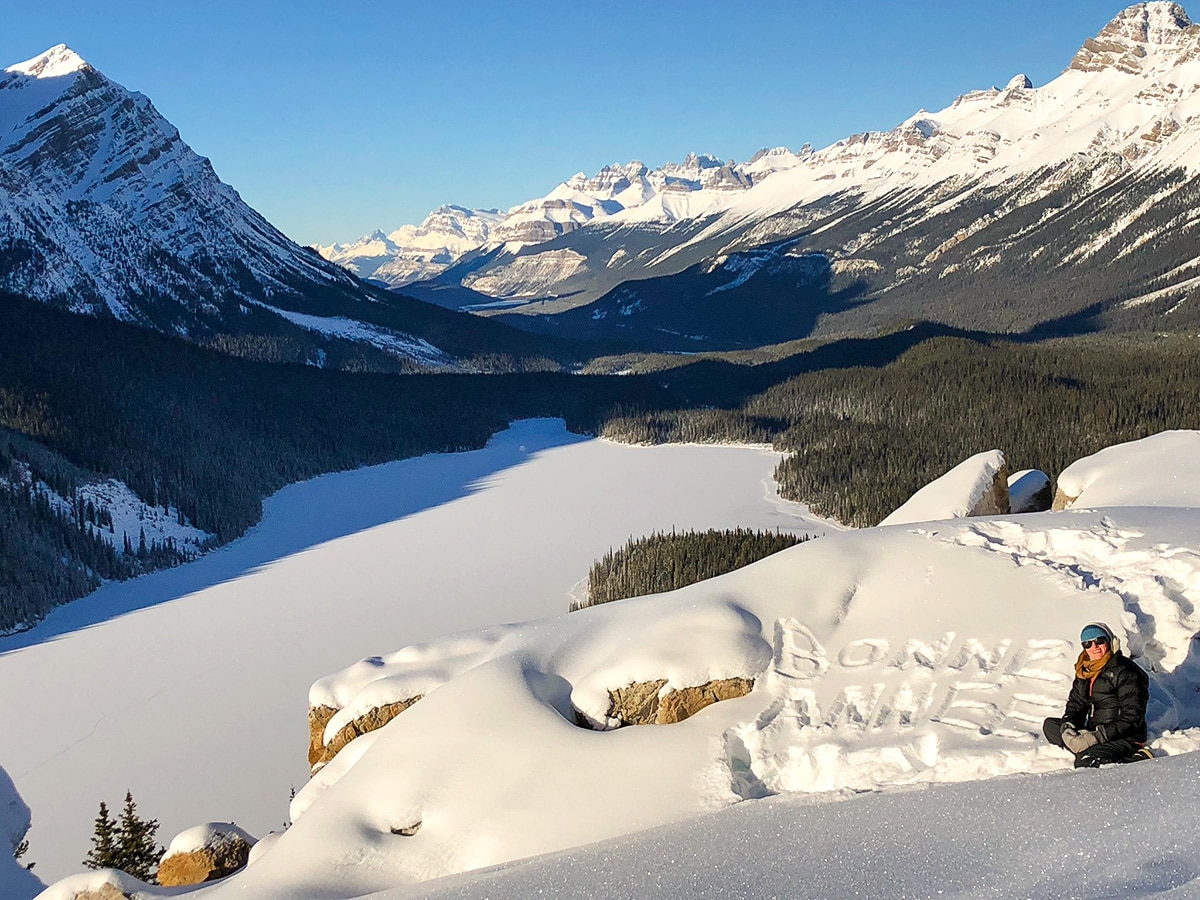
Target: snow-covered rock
[(975, 487), (1029, 490), (103, 884), (1161, 470), (205, 853)]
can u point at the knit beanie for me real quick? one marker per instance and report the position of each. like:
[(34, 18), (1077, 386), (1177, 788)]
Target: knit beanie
[(1099, 630)]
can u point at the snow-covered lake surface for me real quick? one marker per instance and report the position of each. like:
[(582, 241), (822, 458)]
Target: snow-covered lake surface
[(188, 686)]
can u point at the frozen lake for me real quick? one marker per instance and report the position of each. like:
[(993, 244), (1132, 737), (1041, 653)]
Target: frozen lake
[(189, 686)]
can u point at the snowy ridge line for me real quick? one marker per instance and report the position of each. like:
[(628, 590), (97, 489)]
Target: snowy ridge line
[(126, 213), (406, 346), (1128, 105)]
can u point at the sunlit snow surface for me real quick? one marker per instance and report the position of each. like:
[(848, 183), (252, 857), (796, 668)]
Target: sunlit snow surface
[(188, 686), (895, 659)]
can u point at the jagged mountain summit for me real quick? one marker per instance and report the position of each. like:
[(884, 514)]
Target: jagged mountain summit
[(1017, 207), (620, 192), (105, 210), (415, 252)]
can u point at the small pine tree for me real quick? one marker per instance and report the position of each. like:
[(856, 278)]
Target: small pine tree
[(105, 852), (137, 854), (127, 844), (20, 850)]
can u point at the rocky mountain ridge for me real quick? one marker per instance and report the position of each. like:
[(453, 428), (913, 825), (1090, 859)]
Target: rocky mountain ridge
[(620, 191), (1009, 209)]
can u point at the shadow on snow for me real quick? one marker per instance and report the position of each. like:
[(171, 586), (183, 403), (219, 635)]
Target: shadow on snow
[(304, 515)]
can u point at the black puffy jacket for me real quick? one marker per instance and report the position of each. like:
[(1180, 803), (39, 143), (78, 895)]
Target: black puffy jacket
[(1114, 703)]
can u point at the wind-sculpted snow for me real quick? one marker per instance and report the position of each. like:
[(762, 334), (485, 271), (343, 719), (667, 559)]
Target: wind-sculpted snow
[(888, 657), (958, 493)]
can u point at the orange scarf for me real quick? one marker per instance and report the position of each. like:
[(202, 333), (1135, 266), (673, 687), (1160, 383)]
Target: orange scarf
[(1090, 668)]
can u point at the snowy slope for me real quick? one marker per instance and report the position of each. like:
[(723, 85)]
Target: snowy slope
[(416, 252), (15, 880), (888, 658)]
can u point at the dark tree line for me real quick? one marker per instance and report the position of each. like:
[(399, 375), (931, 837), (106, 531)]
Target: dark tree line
[(861, 440), (211, 435), (663, 562), (865, 422)]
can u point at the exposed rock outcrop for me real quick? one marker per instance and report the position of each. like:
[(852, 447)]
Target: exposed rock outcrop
[(641, 704), (1062, 500), (995, 500), (205, 853), (104, 892), (319, 718)]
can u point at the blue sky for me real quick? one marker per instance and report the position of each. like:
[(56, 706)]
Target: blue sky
[(334, 119)]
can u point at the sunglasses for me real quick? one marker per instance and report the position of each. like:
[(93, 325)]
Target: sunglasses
[(1098, 642)]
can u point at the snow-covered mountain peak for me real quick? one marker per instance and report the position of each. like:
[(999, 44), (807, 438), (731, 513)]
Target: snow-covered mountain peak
[(56, 62), (1138, 34), (1152, 23), (1018, 83)]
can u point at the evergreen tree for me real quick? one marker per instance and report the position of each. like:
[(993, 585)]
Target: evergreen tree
[(137, 854), (19, 851), (105, 852), (127, 844)]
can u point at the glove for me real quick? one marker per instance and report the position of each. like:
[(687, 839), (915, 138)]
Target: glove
[(1078, 741)]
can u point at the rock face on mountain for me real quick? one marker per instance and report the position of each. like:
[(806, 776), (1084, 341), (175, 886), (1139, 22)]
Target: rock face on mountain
[(1127, 40), (105, 209), (661, 196), (415, 252)]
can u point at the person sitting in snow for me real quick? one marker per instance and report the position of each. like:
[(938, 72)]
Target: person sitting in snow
[(1105, 719)]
